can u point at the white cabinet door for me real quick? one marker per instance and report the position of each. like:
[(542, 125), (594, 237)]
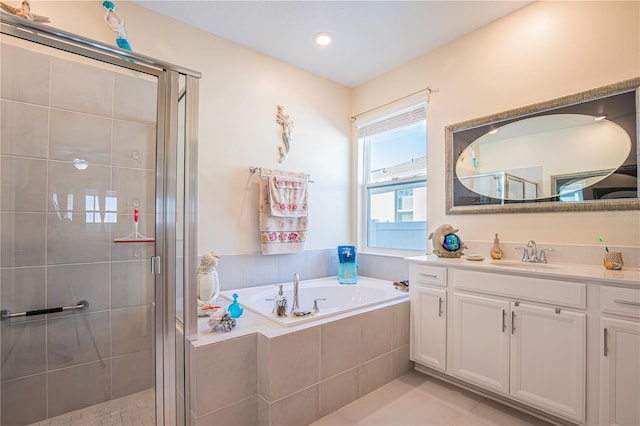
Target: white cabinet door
[(548, 359), (429, 326), (619, 372), (481, 341)]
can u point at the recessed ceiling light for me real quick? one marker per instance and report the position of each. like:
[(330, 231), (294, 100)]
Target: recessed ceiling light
[(324, 39)]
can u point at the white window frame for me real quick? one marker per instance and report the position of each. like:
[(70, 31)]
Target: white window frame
[(363, 171)]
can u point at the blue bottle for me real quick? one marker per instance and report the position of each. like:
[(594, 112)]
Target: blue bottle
[(235, 309), (347, 265)]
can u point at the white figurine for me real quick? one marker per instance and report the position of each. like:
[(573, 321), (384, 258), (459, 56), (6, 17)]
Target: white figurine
[(208, 284), (23, 12)]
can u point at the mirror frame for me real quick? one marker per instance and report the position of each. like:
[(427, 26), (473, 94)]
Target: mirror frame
[(524, 112)]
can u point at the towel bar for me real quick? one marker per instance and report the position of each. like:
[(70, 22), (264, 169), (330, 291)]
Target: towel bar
[(4, 314), (258, 170)]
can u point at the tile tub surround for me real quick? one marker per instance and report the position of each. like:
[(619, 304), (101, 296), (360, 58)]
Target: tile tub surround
[(251, 270), (55, 250), (264, 374)]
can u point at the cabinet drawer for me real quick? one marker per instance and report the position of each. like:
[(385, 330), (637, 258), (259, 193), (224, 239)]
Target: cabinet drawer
[(620, 301), (429, 275), (553, 292)]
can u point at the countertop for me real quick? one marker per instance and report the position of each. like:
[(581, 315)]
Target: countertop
[(628, 277)]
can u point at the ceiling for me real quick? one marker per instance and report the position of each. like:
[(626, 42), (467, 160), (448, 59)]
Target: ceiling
[(370, 37)]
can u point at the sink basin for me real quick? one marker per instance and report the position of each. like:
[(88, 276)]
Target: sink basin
[(522, 265)]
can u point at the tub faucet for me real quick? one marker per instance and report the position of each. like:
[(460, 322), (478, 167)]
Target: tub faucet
[(295, 306)]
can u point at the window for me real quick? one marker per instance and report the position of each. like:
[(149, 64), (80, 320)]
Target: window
[(394, 179)]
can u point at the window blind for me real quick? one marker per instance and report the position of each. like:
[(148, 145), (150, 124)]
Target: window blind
[(401, 119)]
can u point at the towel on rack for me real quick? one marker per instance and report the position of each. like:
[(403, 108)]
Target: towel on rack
[(280, 234), (288, 196)]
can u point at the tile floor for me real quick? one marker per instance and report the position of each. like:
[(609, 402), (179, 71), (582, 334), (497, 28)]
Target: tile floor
[(137, 409), (412, 399), (417, 399)]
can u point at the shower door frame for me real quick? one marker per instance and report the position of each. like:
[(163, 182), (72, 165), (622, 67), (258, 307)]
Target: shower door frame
[(163, 264)]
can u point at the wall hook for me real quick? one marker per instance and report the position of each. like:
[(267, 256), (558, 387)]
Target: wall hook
[(287, 124)]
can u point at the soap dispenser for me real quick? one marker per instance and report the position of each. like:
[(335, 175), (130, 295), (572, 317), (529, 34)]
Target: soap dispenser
[(496, 251), (281, 304)]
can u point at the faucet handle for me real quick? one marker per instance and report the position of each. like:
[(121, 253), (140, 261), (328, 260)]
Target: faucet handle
[(315, 306), (525, 253), (543, 257)]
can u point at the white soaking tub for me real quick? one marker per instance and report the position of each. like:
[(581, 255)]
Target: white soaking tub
[(340, 298)]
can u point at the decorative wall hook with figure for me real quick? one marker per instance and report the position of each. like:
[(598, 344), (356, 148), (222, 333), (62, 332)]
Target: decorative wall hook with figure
[(116, 23), (287, 124), (23, 12)]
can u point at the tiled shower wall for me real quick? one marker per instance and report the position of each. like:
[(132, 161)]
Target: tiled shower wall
[(57, 225)]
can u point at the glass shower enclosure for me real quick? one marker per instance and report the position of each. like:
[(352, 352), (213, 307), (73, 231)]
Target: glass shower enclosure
[(97, 230)]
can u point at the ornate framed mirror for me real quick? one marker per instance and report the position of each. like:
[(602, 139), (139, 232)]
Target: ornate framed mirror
[(579, 152)]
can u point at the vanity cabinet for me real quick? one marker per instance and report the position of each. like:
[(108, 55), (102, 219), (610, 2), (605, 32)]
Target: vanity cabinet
[(619, 356), (534, 354), (428, 316)]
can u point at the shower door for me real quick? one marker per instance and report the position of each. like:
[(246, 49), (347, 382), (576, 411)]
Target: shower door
[(79, 170)]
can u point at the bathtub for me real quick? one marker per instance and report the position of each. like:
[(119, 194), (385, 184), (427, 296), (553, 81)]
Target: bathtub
[(340, 298)]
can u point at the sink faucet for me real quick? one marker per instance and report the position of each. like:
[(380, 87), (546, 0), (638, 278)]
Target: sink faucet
[(295, 306), (533, 257)]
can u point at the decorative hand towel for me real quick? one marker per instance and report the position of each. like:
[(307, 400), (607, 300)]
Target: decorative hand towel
[(288, 196), (278, 234)]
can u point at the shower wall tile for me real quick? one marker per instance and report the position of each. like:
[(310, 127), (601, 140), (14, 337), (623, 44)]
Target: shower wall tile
[(23, 349), (132, 373), (74, 240), (84, 190), (77, 339), (24, 75), (75, 135), (132, 329), (69, 284), (21, 184), (23, 239), (24, 130), (135, 188), (77, 387), (134, 145), (80, 87), (22, 289), (132, 284), (24, 401), (135, 99)]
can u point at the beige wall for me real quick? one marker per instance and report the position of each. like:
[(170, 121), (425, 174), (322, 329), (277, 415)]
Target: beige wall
[(544, 51), (239, 91)]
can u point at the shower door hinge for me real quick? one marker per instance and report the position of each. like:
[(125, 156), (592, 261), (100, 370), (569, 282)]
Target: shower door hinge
[(155, 265)]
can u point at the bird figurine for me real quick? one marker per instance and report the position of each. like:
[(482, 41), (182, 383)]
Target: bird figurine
[(23, 12)]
